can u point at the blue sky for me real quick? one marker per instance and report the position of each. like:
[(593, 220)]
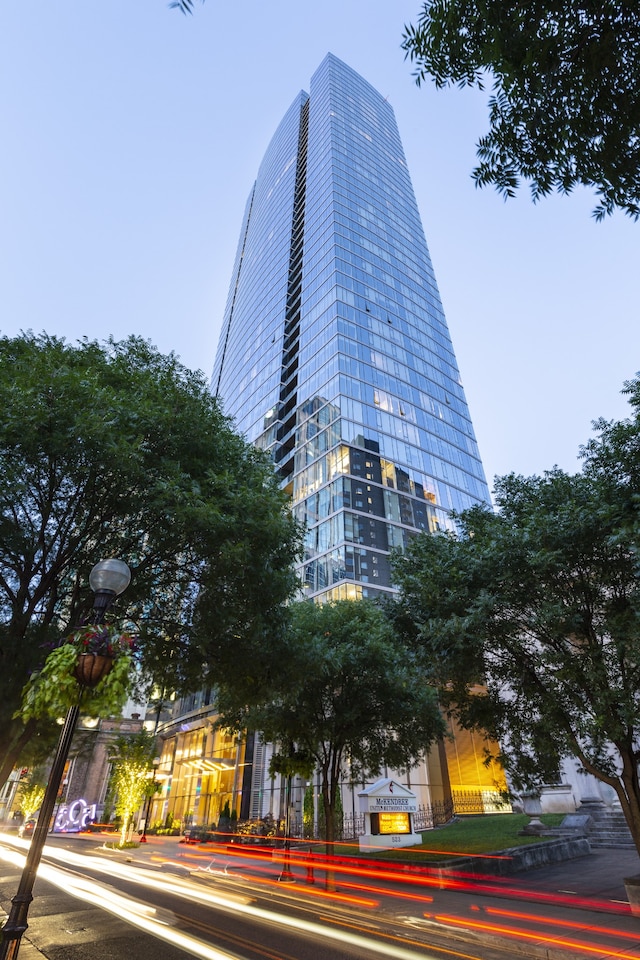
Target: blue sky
[(132, 135)]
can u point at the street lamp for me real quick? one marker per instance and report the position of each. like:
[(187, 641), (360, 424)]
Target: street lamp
[(108, 579)]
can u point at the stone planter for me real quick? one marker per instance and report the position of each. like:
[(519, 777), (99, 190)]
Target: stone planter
[(531, 804), (532, 807)]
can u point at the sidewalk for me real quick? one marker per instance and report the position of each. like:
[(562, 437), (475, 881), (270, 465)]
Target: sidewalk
[(599, 876)]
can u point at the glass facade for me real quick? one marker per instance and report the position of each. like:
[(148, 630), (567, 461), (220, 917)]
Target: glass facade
[(200, 768), (334, 352)]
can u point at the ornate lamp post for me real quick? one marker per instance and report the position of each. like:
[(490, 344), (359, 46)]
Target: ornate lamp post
[(108, 579)]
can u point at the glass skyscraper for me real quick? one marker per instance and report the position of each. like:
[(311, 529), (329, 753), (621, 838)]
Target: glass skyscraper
[(334, 353), (335, 356)]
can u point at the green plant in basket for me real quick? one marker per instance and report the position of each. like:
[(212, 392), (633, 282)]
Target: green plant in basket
[(53, 689)]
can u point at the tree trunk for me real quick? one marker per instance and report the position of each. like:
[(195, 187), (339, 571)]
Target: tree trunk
[(626, 785), (627, 788), (125, 829)]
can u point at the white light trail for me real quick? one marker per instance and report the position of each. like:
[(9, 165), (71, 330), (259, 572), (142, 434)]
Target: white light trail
[(139, 915), (188, 890)]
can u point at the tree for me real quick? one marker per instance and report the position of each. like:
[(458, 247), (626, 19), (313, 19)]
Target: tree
[(614, 458), (114, 450), (347, 689), (31, 794), (565, 108), (530, 621), (131, 775)]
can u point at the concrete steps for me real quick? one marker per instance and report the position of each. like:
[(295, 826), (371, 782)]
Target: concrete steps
[(608, 828), (611, 831)]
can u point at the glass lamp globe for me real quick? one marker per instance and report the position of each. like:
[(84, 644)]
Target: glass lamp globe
[(110, 576)]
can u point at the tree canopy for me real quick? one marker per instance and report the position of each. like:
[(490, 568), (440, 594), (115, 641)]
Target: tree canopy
[(565, 106), (347, 691), (530, 617), (114, 450)]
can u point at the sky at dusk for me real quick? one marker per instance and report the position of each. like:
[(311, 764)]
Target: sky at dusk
[(132, 136)]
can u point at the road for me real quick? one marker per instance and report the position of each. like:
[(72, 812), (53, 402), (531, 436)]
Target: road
[(234, 904)]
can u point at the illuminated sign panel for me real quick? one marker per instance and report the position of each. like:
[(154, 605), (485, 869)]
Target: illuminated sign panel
[(75, 817), (394, 823)]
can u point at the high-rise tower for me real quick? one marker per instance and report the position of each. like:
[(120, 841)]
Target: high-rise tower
[(334, 352), (335, 356)]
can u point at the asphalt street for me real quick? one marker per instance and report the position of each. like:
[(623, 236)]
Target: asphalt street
[(576, 908)]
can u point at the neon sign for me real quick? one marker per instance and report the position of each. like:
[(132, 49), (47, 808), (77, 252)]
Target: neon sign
[(74, 817)]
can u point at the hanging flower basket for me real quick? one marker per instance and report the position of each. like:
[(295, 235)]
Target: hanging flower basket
[(96, 659), (102, 640), (98, 646), (91, 668)]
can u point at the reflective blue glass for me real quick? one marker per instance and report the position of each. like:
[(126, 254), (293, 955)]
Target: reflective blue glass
[(335, 353)]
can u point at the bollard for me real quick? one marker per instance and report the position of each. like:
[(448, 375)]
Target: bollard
[(310, 877)]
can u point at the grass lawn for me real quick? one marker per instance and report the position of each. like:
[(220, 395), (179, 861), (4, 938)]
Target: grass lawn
[(478, 834)]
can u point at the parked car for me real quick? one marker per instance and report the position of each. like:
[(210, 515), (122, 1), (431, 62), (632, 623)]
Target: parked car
[(26, 829)]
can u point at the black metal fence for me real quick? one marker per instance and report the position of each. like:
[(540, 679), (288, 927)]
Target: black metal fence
[(479, 801), (352, 826), (433, 815)]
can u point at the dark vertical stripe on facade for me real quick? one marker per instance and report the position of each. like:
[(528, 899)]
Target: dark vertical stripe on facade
[(291, 341)]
